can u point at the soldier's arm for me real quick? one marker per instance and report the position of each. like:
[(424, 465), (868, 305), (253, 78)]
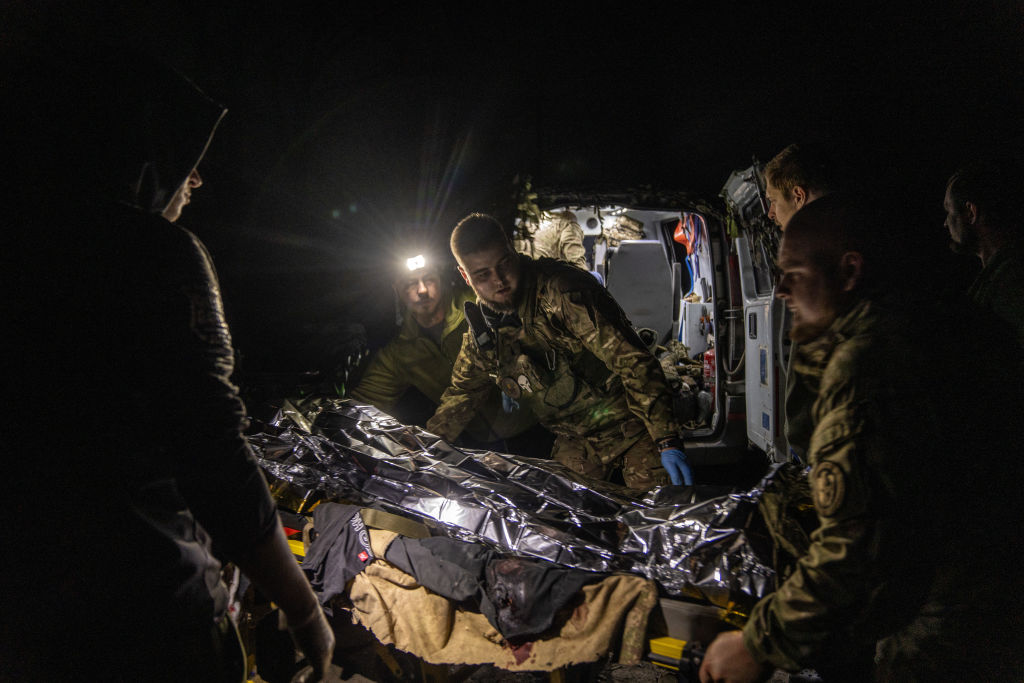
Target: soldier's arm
[(383, 383), (591, 315), (832, 582), (469, 387), (571, 244)]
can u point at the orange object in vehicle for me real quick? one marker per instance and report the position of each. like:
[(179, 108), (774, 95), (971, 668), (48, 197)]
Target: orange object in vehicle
[(684, 236)]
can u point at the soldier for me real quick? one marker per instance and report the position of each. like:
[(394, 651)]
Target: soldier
[(555, 340), (560, 237), (796, 176), (423, 352), (127, 586), (983, 217), (927, 583)]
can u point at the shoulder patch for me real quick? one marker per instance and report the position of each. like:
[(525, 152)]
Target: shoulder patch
[(828, 484)]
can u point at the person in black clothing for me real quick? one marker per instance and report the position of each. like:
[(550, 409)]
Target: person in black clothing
[(128, 478), (983, 218)]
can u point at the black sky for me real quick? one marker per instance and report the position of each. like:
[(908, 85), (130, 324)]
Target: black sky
[(352, 128)]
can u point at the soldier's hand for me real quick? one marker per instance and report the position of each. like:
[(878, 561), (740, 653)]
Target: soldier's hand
[(729, 661), (315, 640), (674, 461)]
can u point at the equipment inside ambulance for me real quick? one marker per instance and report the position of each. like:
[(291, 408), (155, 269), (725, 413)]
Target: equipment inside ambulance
[(700, 277), (662, 258)]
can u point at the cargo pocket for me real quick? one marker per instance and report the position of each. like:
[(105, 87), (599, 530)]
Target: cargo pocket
[(631, 429)]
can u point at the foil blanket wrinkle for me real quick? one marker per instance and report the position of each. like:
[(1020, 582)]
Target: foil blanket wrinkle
[(705, 543)]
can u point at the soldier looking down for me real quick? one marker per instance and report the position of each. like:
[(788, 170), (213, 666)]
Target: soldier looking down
[(554, 339), (902, 581), (144, 512), (423, 352), (796, 176)]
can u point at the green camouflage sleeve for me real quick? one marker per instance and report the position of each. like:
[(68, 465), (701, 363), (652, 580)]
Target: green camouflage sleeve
[(832, 582), (593, 316), (470, 386), (383, 383), (571, 244)]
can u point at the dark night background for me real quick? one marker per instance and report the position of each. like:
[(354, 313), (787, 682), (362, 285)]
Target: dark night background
[(354, 128)]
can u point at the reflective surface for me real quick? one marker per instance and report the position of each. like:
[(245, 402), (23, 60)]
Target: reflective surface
[(699, 542)]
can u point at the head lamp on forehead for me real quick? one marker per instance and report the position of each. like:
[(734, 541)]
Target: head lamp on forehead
[(408, 268)]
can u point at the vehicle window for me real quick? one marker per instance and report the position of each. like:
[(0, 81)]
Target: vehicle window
[(764, 248)]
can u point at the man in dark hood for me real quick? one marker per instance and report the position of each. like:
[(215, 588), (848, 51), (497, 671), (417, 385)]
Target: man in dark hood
[(131, 480)]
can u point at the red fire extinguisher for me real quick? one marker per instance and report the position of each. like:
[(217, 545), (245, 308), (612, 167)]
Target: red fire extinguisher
[(709, 371)]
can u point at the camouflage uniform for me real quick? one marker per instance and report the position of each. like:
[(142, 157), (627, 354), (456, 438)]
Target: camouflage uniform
[(576, 362), (559, 237), (625, 228), (413, 359), (802, 381), (892, 565)]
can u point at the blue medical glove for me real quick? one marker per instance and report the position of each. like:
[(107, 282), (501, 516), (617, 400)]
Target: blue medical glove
[(674, 460)]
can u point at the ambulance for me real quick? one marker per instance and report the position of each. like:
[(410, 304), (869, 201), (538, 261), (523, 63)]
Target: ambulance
[(698, 279)]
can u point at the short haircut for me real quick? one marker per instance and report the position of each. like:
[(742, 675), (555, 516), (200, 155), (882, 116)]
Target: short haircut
[(475, 233), (834, 225), (994, 186), (808, 166)]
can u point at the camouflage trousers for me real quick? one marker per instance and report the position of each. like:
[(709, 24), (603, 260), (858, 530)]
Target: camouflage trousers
[(640, 462)]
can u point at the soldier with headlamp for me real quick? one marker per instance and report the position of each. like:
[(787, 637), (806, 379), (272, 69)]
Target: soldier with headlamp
[(422, 354)]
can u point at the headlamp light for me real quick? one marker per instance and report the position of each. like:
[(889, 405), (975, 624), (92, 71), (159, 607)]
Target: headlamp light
[(416, 262)]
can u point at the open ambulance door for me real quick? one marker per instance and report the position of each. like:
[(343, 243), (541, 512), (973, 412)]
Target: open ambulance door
[(664, 258), (765, 318)]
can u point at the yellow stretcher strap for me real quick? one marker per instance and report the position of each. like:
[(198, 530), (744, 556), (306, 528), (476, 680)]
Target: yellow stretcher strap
[(297, 549)]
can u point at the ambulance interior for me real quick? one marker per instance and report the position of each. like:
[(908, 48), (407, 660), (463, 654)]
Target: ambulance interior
[(661, 268)]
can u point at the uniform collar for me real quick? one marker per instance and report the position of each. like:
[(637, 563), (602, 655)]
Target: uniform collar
[(528, 290), (810, 358)]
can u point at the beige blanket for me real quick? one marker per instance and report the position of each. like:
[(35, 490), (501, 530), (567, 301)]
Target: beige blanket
[(398, 610)]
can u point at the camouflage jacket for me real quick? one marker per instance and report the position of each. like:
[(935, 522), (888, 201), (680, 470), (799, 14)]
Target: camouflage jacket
[(559, 237), (625, 228), (575, 361), (890, 558), (803, 375), (413, 359)]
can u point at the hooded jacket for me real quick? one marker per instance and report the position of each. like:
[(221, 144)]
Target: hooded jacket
[(129, 461)]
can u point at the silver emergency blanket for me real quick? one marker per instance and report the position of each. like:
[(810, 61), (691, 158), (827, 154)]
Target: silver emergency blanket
[(333, 449)]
